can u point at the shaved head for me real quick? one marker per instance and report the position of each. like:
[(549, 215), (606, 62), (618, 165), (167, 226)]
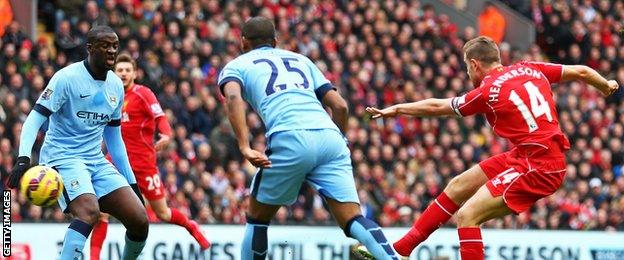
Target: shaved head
[(258, 31), (258, 28), (98, 31)]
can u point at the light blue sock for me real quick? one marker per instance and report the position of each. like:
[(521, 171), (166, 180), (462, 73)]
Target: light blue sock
[(75, 238), (255, 243), (133, 248), (369, 233)]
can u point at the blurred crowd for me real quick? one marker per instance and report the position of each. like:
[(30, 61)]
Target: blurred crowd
[(376, 53)]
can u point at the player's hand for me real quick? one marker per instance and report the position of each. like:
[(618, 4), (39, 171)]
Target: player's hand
[(21, 166), (613, 87), (256, 158), (162, 142), (386, 112)]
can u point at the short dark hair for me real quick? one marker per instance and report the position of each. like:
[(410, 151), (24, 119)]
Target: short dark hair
[(94, 34), (259, 30), (124, 57), (482, 49)]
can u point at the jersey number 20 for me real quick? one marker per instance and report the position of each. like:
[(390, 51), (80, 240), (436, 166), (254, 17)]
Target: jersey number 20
[(539, 106), (271, 87)]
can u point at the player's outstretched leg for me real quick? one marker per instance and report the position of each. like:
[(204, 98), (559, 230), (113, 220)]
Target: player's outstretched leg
[(98, 236), (441, 209), (175, 217), (479, 208), (350, 219), (86, 213), (255, 242), (125, 206)]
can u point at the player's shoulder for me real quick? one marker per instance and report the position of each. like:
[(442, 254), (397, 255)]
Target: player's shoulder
[(75, 69), (110, 75), (534, 64), (293, 54), (142, 90)]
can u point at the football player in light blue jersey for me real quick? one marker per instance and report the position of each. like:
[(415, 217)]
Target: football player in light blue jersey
[(303, 143), (83, 102)]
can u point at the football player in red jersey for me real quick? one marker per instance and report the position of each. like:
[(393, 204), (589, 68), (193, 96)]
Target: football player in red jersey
[(518, 103), (141, 115)]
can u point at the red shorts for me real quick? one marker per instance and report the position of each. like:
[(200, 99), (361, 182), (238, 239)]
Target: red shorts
[(150, 185), (524, 175)]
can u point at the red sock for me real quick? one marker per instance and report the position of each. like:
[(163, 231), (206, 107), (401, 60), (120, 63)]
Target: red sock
[(470, 243), (178, 218), (434, 216), (97, 239), (191, 226)]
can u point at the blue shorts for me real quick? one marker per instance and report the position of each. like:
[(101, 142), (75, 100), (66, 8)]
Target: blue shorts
[(79, 177), (319, 157)]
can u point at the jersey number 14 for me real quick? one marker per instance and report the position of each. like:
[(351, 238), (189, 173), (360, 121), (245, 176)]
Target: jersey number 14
[(539, 106)]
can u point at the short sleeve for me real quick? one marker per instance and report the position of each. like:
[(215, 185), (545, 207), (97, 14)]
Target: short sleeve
[(321, 84), (470, 103), (552, 71), (53, 96), (152, 103), (229, 73)]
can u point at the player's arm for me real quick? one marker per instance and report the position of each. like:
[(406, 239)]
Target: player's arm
[(117, 149), (115, 145), (164, 133), (235, 108), (164, 129), (329, 97), (424, 108), (338, 106), (589, 76), (50, 100), (31, 127)]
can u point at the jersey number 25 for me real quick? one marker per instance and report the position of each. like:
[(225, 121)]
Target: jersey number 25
[(271, 87)]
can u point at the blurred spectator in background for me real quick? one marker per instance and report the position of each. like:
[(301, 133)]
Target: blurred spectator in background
[(7, 15), (491, 23)]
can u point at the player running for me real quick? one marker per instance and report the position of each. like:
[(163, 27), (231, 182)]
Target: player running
[(83, 103), (141, 114), (518, 103), (288, 92)]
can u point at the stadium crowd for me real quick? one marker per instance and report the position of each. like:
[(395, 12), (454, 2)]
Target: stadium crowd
[(376, 53)]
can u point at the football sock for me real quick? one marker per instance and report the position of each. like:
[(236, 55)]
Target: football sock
[(470, 243), (434, 216), (75, 239), (255, 243), (178, 218), (133, 247), (97, 239), (192, 227), (369, 233)]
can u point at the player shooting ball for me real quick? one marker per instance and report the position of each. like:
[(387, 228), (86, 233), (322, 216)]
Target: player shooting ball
[(518, 103)]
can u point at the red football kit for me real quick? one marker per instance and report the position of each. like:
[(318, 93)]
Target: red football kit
[(141, 113), (518, 103)]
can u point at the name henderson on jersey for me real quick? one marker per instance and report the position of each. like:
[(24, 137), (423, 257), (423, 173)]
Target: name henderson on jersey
[(495, 89)]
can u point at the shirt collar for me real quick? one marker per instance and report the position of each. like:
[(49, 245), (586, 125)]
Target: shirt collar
[(86, 64), (266, 45)]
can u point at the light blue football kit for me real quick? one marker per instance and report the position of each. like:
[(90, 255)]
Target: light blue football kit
[(79, 108), (303, 142)]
